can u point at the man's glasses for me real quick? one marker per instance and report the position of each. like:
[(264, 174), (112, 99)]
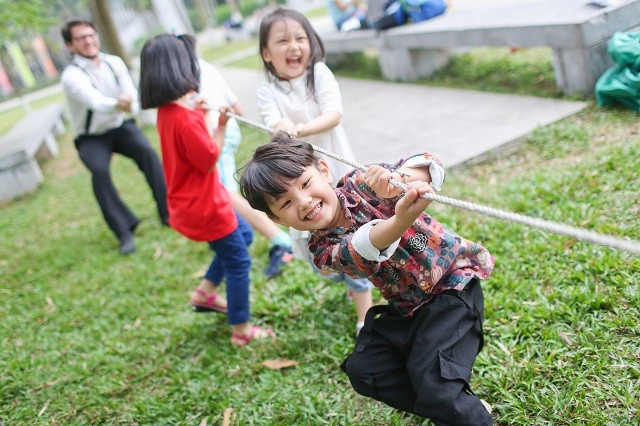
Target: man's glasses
[(86, 37)]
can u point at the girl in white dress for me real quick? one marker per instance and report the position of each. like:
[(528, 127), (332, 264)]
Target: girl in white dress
[(302, 97)]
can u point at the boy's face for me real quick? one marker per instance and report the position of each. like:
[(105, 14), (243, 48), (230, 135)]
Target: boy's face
[(310, 202)]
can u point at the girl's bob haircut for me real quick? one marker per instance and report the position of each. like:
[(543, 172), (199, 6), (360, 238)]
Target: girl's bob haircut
[(168, 69)]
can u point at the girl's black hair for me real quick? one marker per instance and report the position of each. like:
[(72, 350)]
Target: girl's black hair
[(264, 176), (315, 43), (168, 69)]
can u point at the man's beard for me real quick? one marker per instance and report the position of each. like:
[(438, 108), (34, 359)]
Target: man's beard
[(88, 57)]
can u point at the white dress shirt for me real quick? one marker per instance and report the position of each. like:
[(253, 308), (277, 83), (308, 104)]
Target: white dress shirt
[(95, 86)]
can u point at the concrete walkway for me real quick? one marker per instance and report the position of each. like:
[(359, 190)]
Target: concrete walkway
[(385, 121)]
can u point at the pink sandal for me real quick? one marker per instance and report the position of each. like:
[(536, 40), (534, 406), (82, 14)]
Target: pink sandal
[(257, 333), (207, 306)]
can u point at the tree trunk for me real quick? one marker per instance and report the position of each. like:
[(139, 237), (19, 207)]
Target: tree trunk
[(203, 15), (234, 5), (107, 29)]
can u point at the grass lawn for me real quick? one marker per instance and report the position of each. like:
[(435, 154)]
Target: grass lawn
[(92, 337)]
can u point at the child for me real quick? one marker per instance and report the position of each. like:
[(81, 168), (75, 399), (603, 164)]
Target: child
[(348, 15), (199, 206), (215, 91), (302, 98), (417, 355)]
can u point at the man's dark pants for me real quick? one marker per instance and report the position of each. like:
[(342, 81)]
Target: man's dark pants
[(95, 152), (422, 364)]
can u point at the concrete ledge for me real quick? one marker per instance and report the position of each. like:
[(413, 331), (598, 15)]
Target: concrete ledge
[(33, 138), (576, 32), (19, 175)]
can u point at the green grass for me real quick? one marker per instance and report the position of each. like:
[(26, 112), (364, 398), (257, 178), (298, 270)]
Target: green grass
[(524, 71), (91, 337), (213, 54), (12, 116)]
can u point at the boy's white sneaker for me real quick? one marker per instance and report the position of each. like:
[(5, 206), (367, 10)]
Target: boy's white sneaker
[(487, 406)]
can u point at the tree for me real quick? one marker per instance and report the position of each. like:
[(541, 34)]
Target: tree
[(23, 18), (107, 29), (19, 20)]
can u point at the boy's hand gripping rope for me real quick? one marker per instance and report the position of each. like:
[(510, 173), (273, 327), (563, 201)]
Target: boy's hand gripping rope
[(546, 225)]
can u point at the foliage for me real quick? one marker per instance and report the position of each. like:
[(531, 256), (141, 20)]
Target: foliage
[(20, 18), (523, 71), (63, 9), (247, 7), (358, 65)]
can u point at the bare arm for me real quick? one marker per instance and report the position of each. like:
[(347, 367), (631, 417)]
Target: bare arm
[(321, 123), (237, 108), (219, 133)]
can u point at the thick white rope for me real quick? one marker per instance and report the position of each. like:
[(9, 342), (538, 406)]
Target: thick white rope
[(625, 244)]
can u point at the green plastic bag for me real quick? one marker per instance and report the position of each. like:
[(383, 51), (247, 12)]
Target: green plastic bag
[(620, 84)]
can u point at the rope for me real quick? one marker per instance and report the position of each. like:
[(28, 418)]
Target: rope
[(624, 244)]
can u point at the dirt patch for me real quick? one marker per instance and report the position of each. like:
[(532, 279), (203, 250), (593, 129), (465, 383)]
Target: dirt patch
[(66, 164)]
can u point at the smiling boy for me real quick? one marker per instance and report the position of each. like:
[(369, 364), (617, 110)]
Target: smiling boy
[(416, 353)]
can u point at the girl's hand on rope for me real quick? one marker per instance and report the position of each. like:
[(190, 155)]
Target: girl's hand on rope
[(300, 130), (199, 102), (286, 125), (377, 178), (409, 207), (223, 117)]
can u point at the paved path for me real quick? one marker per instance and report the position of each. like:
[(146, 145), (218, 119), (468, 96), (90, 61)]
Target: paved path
[(385, 121)]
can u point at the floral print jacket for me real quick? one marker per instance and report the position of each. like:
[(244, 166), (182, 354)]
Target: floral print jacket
[(429, 259)]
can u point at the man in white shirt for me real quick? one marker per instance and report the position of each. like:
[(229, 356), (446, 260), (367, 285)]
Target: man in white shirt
[(99, 91)]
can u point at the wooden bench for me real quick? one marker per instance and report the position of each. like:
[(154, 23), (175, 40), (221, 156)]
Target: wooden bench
[(33, 138), (576, 32)]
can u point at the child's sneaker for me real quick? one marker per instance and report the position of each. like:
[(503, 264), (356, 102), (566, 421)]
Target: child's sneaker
[(278, 256)]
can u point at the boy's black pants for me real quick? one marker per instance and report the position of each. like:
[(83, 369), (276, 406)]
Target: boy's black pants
[(422, 364)]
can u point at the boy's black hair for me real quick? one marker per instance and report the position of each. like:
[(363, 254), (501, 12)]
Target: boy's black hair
[(263, 177), (66, 29), (168, 69), (316, 47)]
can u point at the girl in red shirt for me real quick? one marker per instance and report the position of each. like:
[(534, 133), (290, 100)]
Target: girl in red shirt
[(199, 205)]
